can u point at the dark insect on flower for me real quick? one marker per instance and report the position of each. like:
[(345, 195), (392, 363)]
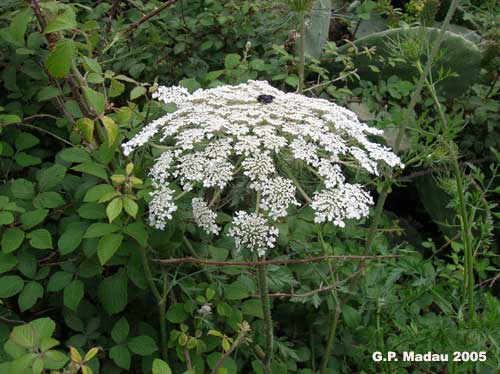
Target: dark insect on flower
[(265, 99)]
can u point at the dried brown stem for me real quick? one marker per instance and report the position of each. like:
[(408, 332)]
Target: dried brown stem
[(192, 260), (151, 14)]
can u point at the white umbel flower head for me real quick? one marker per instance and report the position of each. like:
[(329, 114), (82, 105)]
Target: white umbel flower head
[(233, 135), (204, 216), (252, 231)]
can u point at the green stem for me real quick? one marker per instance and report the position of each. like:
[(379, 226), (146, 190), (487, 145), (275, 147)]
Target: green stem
[(334, 319), (462, 207), (160, 299), (302, 59), (409, 115), (268, 322)]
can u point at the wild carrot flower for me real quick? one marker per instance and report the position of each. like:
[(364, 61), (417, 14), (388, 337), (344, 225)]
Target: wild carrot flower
[(221, 136)]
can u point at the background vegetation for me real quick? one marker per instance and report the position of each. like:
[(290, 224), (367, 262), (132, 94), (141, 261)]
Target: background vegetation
[(79, 288)]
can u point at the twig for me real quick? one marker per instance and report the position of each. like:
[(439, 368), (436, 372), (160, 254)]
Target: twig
[(318, 290), (331, 81), (170, 261), (491, 281), (189, 364), (245, 328), (151, 14)]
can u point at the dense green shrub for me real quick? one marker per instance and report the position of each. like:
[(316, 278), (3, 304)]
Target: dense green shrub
[(80, 287)]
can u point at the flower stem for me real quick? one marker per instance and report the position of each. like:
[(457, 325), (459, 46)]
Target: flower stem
[(268, 322), (160, 299), (334, 319), (462, 208)]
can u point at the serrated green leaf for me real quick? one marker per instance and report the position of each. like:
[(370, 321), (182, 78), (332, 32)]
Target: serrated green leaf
[(107, 247), (96, 100), (73, 294), (112, 292), (25, 140), (95, 193), (40, 239), (130, 206), (114, 209), (91, 168), (138, 232), (59, 280), (64, 21), (120, 356), (33, 218), (120, 330), (86, 127), (10, 285), (116, 88), (59, 60), (111, 129), (99, 229), (48, 200), (75, 155), (12, 238), (23, 189), (71, 238), (142, 345), (29, 295), (160, 367), (137, 92)]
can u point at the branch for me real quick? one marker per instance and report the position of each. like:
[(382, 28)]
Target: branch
[(151, 14), (319, 290), (192, 260), (245, 328)]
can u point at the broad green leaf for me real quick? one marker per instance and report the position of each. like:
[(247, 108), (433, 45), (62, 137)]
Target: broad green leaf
[(96, 192), (23, 363), (111, 128), (9, 118), (176, 313), (96, 100), (12, 238), (142, 345), (114, 209), (86, 127), (18, 27), (6, 218), (76, 155), (130, 206), (116, 88), (7, 262), (29, 295), (92, 211), (236, 291), (107, 247), (24, 140), (71, 238), (59, 280), (22, 189), (33, 218), (252, 308), (59, 60), (24, 335), (50, 177), (120, 356), (73, 294), (232, 60), (160, 367), (120, 331), (91, 168), (351, 316), (112, 292), (91, 65), (48, 93), (25, 160), (40, 239), (48, 200), (10, 285), (64, 21), (99, 229), (137, 92), (138, 232)]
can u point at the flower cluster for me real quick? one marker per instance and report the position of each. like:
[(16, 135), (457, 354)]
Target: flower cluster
[(225, 134)]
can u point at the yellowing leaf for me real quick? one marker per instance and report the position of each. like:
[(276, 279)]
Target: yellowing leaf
[(114, 209), (75, 355), (111, 129)]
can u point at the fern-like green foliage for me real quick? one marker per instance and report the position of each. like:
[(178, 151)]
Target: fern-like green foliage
[(459, 56)]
